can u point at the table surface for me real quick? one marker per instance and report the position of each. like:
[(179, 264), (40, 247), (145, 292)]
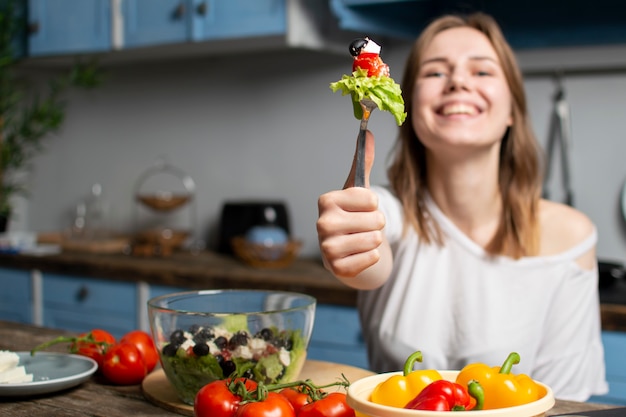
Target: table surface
[(96, 398)]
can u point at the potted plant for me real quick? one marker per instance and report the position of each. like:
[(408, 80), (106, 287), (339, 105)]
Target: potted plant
[(27, 116)]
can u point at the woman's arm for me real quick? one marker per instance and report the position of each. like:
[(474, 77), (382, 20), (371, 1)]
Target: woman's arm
[(350, 231)]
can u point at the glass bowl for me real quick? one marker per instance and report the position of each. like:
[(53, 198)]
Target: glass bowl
[(203, 336)]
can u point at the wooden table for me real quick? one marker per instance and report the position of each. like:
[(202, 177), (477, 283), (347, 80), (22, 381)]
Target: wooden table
[(96, 398)]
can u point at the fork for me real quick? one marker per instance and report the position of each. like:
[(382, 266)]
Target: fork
[(359, 175)]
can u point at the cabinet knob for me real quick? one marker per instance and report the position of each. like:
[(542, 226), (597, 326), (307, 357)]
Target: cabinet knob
[(179, 11), (82, 294), (201, 9), (33, 27)]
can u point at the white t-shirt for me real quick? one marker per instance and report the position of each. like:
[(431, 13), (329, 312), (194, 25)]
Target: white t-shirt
[(457, 306)]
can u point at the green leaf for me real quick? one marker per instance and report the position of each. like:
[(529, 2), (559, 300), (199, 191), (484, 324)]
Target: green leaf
[(383, 91)]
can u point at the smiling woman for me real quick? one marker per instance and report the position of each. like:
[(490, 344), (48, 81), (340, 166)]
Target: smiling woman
[(461, 237)]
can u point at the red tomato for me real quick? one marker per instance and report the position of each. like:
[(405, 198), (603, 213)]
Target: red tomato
[(333, 405), (84, 345), (372, 63), (146, 346), (216, 400), (124, 365), (296, 398), (275, 405)]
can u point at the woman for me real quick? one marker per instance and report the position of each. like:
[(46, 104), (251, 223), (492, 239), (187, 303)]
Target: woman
[(459, 257)]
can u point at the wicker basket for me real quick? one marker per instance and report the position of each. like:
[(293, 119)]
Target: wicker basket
[(264, 256)]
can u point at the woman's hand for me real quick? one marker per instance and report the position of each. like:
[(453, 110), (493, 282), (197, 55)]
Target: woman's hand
[(350, 231)]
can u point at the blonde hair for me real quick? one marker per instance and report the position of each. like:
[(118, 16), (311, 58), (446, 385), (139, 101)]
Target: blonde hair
[(519, 173)]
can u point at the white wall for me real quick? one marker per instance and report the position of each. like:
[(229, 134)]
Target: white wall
[(250, 128)]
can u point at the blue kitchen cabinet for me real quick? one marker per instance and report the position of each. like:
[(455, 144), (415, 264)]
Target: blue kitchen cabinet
[(16, 302), (80, 304), (614, 348), (155, 22), (528, 24), (337, 336), (159, 22), (58, 27), (221, 19)]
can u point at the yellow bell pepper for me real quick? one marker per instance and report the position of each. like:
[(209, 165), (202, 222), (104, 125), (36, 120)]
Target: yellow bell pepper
[(501, 388), (398, 390)]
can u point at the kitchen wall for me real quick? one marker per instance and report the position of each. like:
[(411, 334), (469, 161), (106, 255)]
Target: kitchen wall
[(268, 127)]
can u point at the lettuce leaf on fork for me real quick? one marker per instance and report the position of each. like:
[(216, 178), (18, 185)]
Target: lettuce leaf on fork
[(383, 91)]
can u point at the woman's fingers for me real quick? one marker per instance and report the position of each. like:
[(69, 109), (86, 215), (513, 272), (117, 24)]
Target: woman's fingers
[(349, 228)]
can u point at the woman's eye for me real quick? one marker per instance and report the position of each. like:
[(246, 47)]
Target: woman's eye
[(483, 73), (437, 74)]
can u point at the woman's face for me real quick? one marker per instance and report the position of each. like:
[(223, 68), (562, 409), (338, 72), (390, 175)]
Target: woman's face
[(461, 97)]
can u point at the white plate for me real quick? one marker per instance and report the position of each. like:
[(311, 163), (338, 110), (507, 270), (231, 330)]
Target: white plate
[(51, 372)]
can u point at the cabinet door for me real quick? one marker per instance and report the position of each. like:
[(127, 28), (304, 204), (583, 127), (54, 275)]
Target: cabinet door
[(614, 348), (337, 336), (214, 19), (80, 304), (16, 295), (153, 22), (69, 26)]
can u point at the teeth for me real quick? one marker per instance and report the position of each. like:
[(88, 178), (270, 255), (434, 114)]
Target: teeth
[(458, 109)]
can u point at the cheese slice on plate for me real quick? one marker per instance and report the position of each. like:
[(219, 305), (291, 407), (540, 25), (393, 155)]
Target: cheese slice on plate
[(10, 372)]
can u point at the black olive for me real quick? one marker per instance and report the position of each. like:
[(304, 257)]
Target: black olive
[(357, 45), (178, 336), (203, 335), (228, 367), (170, 349), (265, 334), (221, 342), (239, 339), (201, 349), (193, 329)]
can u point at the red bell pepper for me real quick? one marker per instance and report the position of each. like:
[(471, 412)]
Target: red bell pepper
[(445, 395)]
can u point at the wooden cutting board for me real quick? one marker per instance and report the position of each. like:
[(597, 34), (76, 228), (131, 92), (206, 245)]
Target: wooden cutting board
[(158, 390)]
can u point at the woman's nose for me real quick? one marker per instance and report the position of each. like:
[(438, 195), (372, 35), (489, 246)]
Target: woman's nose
[(458, 80)]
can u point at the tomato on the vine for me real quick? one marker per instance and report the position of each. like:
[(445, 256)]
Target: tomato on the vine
[(215, 399), (332, 405), (275, 405), (124, 365), (93, 344), (146, 346), (296, 398)]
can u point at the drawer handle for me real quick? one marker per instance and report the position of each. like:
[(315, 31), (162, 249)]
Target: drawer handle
[(33, 28), (201, 9), (82, 294), (179, 12)]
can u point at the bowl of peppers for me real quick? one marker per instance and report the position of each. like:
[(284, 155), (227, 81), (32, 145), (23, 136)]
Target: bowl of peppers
[(478, 389)]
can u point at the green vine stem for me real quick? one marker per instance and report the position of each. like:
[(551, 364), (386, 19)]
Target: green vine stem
[(314, 391), (74, 340)]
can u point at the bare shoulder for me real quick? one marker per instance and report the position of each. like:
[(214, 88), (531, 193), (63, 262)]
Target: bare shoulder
[(562, 228)]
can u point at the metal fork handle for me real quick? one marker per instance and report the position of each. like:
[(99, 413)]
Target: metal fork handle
[(359, 174)]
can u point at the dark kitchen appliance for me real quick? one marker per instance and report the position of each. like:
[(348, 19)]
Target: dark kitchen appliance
[(610, 272), (239, 216)]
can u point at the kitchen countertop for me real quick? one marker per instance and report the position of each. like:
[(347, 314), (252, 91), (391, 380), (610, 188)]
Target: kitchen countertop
[(95, 397), (205, 270), (213, 270)]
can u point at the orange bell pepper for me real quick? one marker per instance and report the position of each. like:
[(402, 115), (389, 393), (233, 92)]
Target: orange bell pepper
[(398, 390), (501, 388)]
